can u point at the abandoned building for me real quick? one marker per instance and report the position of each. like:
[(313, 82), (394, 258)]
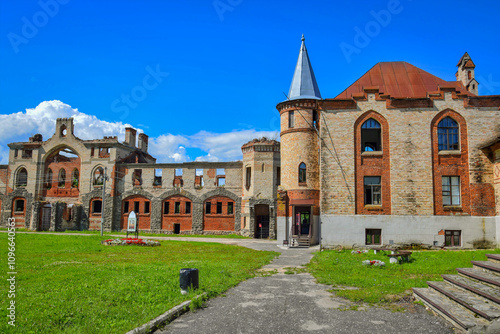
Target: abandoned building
[(400, 156), (58, 184)]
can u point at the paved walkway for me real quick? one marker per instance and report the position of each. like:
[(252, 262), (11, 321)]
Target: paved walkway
[(295, 303)]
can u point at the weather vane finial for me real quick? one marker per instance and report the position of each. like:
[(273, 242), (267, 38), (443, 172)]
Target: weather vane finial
[(303, 38)]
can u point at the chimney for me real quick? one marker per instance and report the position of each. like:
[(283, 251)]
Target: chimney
[(143, 142), (130, 136)]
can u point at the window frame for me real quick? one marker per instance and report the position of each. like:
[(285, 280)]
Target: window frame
[(208, 208), (373, 233), (291, 119), (370, 127), (19, 200), (451, 186), (302, 173), (187, 208), (451, 235), (369, 190), (177, 207), (230, 205), (448, 137), (218, 208)]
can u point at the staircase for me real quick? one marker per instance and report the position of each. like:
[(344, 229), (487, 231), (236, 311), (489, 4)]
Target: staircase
[(471, 299), (300, 241)]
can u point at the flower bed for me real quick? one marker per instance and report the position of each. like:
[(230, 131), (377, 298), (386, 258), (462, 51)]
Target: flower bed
[(375, 263), (130, 241), (359, 251)]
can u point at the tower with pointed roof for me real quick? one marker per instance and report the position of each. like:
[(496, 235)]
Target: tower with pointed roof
[(465, 74), (299, 213)]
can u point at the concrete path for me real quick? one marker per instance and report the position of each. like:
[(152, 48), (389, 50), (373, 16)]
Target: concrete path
[(295, 303)]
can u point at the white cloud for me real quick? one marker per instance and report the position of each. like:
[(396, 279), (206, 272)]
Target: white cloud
[(166, 148)]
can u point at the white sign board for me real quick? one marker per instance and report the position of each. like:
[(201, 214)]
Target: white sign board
[(132, 222)]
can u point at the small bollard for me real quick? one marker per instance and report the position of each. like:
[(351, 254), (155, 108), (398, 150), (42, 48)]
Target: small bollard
[(188, 277)]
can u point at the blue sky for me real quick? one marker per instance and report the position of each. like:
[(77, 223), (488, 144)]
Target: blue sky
[(202, 77)]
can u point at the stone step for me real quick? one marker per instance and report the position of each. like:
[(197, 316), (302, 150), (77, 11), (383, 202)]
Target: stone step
[(495, 258), (480, 275), (493, 267), (483, 290), (475, 303), (451, 311)]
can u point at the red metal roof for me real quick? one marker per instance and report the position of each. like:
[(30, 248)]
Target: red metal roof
[(399, 79)]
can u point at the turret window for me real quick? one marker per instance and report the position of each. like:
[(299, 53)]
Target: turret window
[(291, 119), (447, 134), (302, 173), (371, 136)]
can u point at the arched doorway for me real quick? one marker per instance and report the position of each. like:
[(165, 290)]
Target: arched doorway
[(261, 221)]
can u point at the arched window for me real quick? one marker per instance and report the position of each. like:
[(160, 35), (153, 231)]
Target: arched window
[(371, 136), (447, 134), (22, 178), (98, 177), (302, 173), (75, 179), (62, 178), (48, 179)]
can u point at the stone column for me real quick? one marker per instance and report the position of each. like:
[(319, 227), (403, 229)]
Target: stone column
[(251, 225), (156, 215), (272, 222), (197, 218)]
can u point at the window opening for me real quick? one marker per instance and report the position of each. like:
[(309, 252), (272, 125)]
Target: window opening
[(278, 176), (371, 136), (125, 207), (98, 176), (302, 173), (166, 208), (373, 236), (291, 119), (158, 177), (219, 208), (447, 134), (97, 206), (451, 190), (22, 178), (177, 207), (136, 207), (62, 178), (146, 207), (230, 208), (75, 180), (372, 190), (19, 205), (452, 238), (248, 178), (188, 207), (208, 208)]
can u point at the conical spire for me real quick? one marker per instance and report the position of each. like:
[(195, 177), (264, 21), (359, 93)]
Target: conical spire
[(304, 85)]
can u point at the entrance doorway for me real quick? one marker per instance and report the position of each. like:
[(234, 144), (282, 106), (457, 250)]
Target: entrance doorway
[(177, 228), (261, 221), (302, 223), (45, 219)]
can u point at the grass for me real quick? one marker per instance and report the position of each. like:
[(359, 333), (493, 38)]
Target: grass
[(96, 232), (76, 285), (379, 285)]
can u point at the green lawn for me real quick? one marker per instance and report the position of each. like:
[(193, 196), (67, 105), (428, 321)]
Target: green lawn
[(389, 283), (94, 232), (73, 284)]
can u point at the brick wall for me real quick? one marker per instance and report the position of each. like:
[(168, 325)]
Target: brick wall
[(143, 219), (184, 219), (215, 221), (377, 163)]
